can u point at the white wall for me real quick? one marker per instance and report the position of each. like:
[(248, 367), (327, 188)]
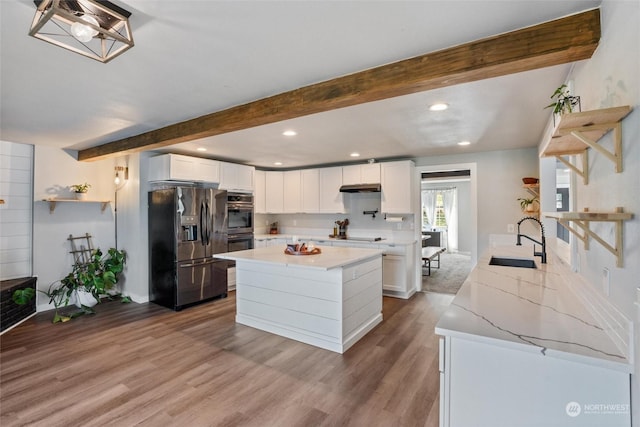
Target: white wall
[(132, 226), (55, 171), (16, 190), (612, 78), (499, 184)]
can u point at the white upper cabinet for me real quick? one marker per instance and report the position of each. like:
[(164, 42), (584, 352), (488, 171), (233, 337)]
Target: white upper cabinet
[(331, 199), (292, 192), (274, 186), (236, 177), (361, 174), (260, 192), (397, 186), (310, 193), (175, 167)]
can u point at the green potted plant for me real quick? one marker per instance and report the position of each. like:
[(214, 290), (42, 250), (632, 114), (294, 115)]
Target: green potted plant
[(80, 190), (527, 205), (93, 279), (563, 102)]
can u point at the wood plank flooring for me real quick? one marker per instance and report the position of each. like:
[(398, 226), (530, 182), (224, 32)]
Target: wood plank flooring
[(142, 364)]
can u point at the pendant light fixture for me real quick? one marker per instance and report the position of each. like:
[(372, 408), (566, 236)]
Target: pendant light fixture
[(96, 29)]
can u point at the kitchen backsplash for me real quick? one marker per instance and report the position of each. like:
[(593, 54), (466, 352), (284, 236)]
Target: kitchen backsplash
[(360, 225)]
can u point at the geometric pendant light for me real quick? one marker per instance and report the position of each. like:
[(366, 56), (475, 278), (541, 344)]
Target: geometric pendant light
[(97, 29)]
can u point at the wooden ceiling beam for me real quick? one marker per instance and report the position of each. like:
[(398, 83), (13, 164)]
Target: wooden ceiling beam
[(561, 41)]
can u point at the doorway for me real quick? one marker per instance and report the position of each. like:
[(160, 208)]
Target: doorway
[(448, 218)]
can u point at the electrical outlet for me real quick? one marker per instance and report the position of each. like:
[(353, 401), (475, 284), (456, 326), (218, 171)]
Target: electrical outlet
[(399, 226), (295, 222), (605, 281), (511, 228)]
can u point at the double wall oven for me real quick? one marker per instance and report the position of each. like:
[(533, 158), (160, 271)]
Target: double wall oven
[(240, 215)]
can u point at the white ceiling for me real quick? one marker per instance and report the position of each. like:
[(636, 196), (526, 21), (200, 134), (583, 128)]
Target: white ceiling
[(192, 58)]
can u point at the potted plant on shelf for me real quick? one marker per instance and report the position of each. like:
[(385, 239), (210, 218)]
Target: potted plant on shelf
[(80, 190), (527, 205), (85, 284), (563, 102)]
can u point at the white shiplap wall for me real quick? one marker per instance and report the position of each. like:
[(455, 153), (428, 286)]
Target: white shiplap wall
[(16, 189)]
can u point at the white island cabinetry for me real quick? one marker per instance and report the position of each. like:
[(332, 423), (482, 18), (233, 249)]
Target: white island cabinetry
[(330, 300)]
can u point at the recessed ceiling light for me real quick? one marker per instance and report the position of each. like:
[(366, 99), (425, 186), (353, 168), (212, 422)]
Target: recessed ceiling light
[(277, 163), (289, 133), (464, 143), (438, 107), (355, 154), (201, 149)]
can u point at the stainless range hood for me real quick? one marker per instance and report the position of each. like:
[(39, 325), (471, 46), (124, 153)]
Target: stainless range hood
[(360, 188)]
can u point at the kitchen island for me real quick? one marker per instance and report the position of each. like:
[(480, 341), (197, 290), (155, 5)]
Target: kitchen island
[(329, 300), (520, 346)]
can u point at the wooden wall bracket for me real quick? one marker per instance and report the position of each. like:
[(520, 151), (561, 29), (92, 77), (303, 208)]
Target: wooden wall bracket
[(583, 232)]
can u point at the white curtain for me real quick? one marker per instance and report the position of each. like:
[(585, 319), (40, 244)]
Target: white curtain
[(450, 204), (429, 203)]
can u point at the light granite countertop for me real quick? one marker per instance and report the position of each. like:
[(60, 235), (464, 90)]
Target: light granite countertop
[(329, 258), (535, 310)]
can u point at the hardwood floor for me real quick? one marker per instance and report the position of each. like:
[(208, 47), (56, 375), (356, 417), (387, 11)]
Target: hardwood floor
[(142, 364)]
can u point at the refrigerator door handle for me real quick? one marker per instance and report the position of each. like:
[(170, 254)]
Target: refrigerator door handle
[(208, 219), (202, 223), (198, 264)]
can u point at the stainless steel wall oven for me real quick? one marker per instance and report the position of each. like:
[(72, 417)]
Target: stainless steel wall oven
[(240, 213)]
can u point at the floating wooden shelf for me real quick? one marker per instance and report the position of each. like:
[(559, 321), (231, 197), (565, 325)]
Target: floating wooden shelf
[(582, 220), (576, 132), (533, 189), (54, 202)]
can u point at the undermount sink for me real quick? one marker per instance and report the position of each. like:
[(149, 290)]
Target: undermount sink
[(513, 262)]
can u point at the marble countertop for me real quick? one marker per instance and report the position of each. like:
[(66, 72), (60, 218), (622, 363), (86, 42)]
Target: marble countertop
[(531, 310), (329, 258), (306, 238)]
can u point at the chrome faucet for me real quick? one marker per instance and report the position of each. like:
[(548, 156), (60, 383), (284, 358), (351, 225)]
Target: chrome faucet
[(543, 253)]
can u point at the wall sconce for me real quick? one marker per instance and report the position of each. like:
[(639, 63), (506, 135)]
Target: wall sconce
[(120, 181), (96, 29)]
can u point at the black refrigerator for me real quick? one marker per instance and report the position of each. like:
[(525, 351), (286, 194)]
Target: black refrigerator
[(187, 225)]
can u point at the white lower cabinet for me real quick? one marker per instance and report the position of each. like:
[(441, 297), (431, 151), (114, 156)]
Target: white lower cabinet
[(393, 273), (483, 384), (398, 275), (231, 279), (398, 278)]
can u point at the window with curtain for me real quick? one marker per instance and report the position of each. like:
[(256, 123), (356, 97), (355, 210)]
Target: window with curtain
[(440, 219)]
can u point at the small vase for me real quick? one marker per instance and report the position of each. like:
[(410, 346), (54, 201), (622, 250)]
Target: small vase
[(81, 196), (84, 298)]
